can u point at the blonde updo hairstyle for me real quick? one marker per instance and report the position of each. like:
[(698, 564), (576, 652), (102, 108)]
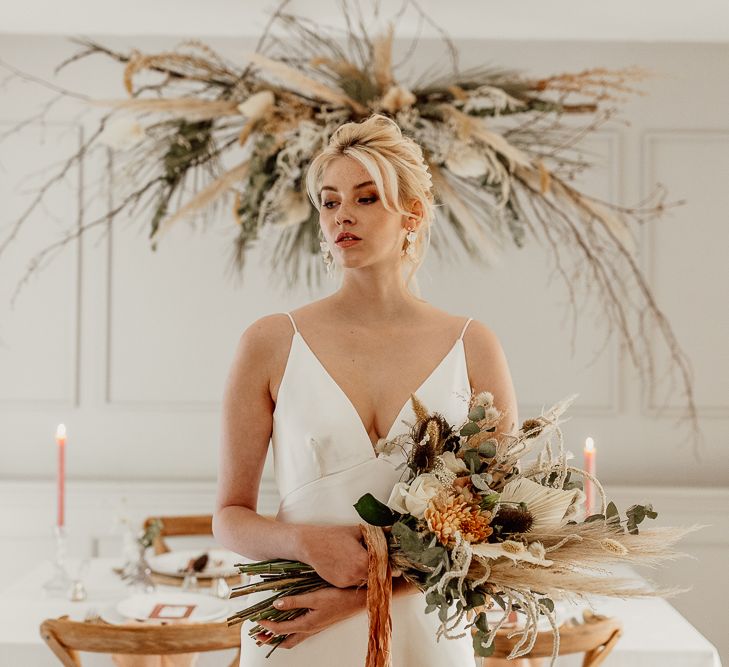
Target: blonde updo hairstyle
[(396, 165)]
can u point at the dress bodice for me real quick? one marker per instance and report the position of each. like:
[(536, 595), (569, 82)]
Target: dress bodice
[(317, 432)]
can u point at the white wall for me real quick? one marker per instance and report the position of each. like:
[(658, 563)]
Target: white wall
[(130, 348)]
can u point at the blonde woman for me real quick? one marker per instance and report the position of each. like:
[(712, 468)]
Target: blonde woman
[(325, 382)]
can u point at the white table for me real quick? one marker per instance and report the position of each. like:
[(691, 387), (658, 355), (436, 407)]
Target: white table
[(655, 634), (23, 606)]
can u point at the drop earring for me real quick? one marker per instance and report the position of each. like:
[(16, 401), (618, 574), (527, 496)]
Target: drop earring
[(327, 256), (409, 249)]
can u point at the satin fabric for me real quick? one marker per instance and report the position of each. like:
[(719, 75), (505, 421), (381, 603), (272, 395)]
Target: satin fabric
[(324, 462)]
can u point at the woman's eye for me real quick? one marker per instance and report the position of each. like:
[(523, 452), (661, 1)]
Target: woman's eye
[(369, 200)]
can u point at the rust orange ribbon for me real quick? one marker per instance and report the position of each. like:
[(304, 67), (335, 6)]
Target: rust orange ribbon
[(379, 598)]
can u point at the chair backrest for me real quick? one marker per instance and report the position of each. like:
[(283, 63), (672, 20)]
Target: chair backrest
[(66, 638), (173, 526), (595, 638)]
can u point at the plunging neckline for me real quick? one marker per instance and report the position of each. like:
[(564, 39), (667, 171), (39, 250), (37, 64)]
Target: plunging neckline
[(349, 402)]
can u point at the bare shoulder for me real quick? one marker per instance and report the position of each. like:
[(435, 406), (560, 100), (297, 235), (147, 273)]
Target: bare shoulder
[(263, 346)]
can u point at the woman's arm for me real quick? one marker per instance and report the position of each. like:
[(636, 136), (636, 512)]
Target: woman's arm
[(488, 370), (247, 420)]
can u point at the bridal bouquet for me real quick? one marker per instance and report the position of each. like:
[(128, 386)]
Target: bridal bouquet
[(473, 527)]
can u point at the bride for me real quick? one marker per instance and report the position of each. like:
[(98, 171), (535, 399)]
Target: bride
[(327, 382)]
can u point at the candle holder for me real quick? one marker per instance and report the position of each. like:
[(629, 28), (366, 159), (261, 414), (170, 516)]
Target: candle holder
[(138, 574), (60, 582)]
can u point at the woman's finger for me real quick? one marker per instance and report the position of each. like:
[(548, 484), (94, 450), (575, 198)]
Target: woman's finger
[(303, 601), (300, 624)]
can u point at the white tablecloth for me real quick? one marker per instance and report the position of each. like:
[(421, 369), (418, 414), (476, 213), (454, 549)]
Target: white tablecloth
[(655, 634)]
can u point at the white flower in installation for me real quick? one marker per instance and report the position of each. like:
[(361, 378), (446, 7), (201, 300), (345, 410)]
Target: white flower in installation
[(294, 209), (453, 463), (547, 506), (516, 551), (121, 134), (467, 161), (257, 104), (413, 498)]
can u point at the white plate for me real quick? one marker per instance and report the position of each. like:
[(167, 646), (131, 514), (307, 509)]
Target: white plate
[(140, 606), (110, 614), (221, 563)]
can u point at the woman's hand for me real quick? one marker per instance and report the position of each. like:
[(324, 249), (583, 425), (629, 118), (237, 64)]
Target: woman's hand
[(337, 553), (326, 607)]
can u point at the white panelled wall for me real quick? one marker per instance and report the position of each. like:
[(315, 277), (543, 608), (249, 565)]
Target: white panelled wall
[(130, 348)]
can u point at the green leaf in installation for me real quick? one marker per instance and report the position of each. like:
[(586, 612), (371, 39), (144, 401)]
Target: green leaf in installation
[(374, 512)]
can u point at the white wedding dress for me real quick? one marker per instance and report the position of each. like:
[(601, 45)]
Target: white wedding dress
[(324, 462)]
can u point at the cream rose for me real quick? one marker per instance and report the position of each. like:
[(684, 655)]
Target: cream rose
[(413, 498), (453, 463)]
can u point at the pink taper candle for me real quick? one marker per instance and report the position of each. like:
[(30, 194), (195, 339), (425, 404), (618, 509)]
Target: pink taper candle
[(61, 440), (589, 466)]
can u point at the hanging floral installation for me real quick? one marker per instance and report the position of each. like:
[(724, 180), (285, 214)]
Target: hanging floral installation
[(501, 147)]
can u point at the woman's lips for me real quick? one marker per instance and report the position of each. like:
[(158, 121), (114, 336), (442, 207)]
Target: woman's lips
[(346, 243)]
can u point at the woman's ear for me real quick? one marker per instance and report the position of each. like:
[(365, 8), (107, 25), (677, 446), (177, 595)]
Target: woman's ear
[(416, 213)]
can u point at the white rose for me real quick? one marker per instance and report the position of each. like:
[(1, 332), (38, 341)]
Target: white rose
[(413, 498), (453, 463)]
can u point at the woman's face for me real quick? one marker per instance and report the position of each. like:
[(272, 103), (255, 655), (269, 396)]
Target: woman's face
[(351, 204)]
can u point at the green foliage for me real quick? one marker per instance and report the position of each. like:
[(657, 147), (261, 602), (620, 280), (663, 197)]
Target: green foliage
[(477, 413), (488, 448), (489, 502), (375, 512), (636, 514), (480, 641), (471, 428), (419, 547)]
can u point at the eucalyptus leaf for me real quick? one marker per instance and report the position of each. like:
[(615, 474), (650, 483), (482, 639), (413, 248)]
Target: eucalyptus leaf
[(477, 413), (482, 622), (488, 448), (480, 483), (480, 641), (548, 603), (410, 541), (470, 429), (472, 460)]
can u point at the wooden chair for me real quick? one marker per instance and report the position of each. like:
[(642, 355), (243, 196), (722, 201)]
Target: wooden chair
[(596, 638), (66, 638), (175, 526)]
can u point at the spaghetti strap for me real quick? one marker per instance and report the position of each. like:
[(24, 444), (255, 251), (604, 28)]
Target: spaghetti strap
[(465, 326), (293, 323)]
